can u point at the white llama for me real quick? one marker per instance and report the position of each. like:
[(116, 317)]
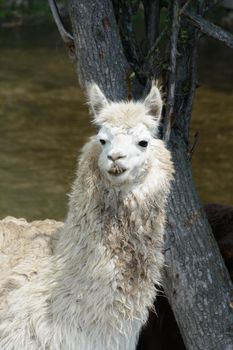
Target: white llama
[(88, 285)]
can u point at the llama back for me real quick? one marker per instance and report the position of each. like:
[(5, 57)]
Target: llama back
[(26, 251), (22, 246)]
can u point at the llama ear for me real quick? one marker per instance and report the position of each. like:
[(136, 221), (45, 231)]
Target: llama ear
[(153, 102), (96, 99)]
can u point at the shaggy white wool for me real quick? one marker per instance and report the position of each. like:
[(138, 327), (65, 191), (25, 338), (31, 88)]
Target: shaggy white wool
[(88, 285)]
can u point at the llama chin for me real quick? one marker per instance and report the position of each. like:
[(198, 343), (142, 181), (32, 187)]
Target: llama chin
[(89, 284)]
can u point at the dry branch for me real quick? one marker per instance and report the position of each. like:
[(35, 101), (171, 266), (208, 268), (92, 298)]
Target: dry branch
[(152, 15), (192, 84), (152, 50), (193, 146), (128, 38), (185, 6), (175, 25), (66, 36), (209, 5), (209, 28)]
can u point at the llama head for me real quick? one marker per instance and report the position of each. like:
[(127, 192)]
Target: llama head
[(127, 132)]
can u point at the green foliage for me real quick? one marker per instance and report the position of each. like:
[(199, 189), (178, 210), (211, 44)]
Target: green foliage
[(33, 11), (164, 17), (4, 13), (183, 36)]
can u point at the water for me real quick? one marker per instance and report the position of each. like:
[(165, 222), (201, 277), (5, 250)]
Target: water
[(44, 122), (212, 117)]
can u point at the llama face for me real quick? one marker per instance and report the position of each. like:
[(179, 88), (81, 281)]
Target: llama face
[(127, 131), (124, 157)]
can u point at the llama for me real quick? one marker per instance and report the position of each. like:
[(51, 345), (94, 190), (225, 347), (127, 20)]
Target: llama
[(89, 285)]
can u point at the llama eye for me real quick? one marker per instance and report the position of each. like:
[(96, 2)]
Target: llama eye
[(102, 142), (143, 143)]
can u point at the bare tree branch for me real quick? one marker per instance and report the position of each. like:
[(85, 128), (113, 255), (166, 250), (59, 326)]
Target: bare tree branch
[(135, 6), (175, 25), (209, 5), (193, 147), (66, 37), (152, 67), (152, 15), (192, 85), (129, 42), (213, 2), (185, 6), (209, 28), (156, 44)]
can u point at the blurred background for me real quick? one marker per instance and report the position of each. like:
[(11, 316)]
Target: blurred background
[(44, 119)]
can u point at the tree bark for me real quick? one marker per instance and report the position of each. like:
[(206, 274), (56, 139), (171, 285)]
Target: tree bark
[(196, 281), (210, 29), (98, 48)]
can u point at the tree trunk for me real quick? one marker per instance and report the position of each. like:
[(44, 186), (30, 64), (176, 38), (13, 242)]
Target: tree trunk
[(98, 47), (196, 281)]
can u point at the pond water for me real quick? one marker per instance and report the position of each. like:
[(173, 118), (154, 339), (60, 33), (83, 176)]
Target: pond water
[(44, 123)]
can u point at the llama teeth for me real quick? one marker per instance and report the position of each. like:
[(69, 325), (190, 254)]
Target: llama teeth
[(116, 170)]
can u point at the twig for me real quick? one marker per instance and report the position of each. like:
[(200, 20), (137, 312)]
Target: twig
[(175, 25), (195, 142), (209, 28), (152, 61), (184, 7), (192, 85), (152, 14), (129, 76), (135, 6), (66, 36), (211, 4), (156, 44), (129, 42)]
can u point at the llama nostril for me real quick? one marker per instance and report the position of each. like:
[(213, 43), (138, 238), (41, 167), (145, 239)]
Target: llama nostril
[(116, 156), (120, 157)]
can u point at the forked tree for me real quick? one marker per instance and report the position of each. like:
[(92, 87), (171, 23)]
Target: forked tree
[(106, 50)]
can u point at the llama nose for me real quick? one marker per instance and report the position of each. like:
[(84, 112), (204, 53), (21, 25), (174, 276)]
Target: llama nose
[(116, 155)]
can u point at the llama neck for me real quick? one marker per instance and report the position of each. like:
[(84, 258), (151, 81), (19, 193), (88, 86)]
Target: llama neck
[(117, 244), (110, 226), (97, 209), (109, 252), (106, 224)]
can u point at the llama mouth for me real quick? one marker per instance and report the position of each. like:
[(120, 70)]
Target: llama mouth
[(116, 171)]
